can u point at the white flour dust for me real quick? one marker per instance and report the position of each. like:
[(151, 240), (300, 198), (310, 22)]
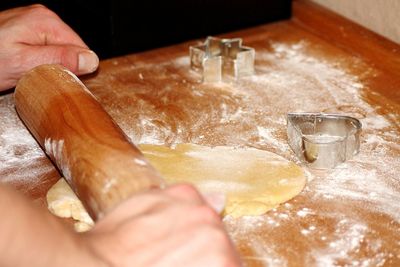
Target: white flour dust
[(20, 155), (296, 81), (348, 216)]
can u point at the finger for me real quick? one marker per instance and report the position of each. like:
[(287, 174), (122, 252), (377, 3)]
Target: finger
[(56, 32), (160, 225), (216, 201), (147, 207), (185, 192), (77, 59), (47, 25), (189, 193), (208, 244), (138, 205)]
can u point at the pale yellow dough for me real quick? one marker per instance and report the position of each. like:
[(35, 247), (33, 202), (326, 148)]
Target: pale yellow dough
[(253, 180), (62, 202)]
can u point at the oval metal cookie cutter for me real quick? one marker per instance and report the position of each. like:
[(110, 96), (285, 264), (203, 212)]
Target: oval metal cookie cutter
[(323, 140)]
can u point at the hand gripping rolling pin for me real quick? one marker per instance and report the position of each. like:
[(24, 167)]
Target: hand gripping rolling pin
[(97, 159)]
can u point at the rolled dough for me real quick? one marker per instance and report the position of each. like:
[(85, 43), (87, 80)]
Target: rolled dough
[(254, 181)]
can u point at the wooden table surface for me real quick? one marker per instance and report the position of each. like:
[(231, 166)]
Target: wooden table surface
[(317, 61)]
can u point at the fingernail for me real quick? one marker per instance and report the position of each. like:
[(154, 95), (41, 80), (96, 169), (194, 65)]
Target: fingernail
[(216, 200), (88, 62)]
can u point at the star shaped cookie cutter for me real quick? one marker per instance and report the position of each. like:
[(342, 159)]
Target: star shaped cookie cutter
[(321, 140), (218, 59)]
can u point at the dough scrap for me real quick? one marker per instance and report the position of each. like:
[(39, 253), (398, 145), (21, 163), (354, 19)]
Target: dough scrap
[(253, 180), (62, 202)]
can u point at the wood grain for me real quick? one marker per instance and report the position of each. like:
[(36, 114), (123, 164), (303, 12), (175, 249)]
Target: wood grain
[(94, 155), (353, 38), (317, 61)]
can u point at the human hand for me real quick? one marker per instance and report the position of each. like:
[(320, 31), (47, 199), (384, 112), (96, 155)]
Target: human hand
[(174, 227), (34, 35)]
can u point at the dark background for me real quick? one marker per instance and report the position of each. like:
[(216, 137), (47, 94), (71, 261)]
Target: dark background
[(119, 27)]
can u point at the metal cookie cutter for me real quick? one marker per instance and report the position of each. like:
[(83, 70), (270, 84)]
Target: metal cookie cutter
[(219, 58), (323, 140)]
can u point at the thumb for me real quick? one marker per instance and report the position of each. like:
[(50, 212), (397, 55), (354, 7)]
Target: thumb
[(79, 60)]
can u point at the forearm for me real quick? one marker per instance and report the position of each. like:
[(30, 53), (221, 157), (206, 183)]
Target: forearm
[(29, 236)]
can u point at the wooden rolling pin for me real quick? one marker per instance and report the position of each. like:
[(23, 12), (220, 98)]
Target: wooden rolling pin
[(97, 159)]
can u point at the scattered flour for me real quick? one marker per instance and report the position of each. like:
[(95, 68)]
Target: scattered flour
[(55, 148), (369, 183), (348, 216), (21, 158)]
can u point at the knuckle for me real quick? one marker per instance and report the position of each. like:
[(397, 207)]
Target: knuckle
[(39, 10), (66, 57), (206, 213), (188, 189), (63, 54), (37, 6)]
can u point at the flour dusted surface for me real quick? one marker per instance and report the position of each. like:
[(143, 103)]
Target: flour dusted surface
[(23, 163), (348, 216)]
